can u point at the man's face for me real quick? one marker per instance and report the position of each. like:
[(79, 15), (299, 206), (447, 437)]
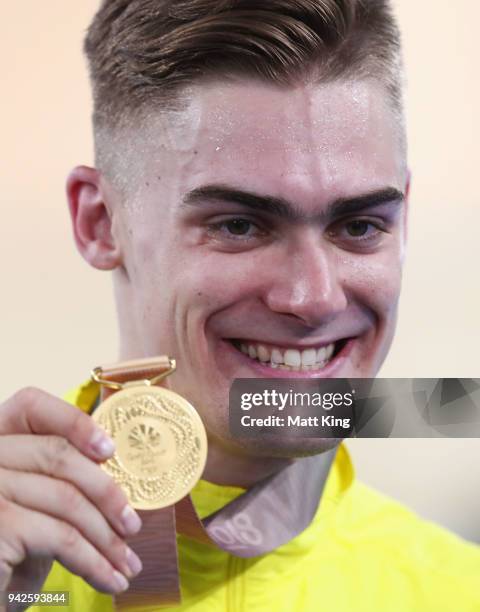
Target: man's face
[(264, 239)]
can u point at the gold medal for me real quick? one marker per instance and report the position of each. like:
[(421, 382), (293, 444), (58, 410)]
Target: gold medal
[(161, 443)]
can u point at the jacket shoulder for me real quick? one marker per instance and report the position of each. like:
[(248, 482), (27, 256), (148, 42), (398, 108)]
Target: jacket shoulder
[(382, 524)]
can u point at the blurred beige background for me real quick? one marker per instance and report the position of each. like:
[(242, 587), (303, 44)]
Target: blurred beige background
[(57, 315)]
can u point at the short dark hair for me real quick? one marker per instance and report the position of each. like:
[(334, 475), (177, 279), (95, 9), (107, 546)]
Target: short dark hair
[(143, 52)]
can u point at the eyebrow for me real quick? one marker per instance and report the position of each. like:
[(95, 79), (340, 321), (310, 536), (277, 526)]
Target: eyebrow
[(287, 210)]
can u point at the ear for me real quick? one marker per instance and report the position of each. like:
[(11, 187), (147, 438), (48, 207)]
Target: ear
[(92, 219)]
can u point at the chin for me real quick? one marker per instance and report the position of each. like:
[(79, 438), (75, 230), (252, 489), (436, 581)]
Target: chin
[(282, 447)]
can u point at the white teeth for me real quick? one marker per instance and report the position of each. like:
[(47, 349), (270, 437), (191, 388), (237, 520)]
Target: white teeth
[(292, 358), (309, 357), (263, 353), (276, 356), (321, 354)]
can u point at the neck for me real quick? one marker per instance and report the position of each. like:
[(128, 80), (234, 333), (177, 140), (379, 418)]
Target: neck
[(239, 470)]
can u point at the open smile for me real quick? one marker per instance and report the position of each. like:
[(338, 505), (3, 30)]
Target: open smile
[(309, 360)]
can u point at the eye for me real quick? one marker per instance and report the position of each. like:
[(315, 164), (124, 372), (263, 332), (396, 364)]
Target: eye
[(238, 227), (357, 228), (234, 234), (361, 234)]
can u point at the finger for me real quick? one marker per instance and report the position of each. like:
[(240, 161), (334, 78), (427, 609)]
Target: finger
[(32, 410), (63, 501), (56, 457), (27, 533)]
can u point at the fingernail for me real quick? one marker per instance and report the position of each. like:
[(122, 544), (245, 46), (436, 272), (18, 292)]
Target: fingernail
[(120, 582), (130, 520), (102, 444), (133, 562)]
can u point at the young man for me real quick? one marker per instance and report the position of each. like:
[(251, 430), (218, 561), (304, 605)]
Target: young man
[(250, 198)]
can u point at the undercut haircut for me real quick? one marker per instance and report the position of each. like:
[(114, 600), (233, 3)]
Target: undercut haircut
[(143, 53)]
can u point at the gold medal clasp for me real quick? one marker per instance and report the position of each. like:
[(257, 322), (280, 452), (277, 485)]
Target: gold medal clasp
[(97, 375)]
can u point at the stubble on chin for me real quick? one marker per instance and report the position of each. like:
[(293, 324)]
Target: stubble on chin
[(282, 447)]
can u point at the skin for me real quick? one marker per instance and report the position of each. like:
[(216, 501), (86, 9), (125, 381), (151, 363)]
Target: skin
[(186, 285), (55, 500)]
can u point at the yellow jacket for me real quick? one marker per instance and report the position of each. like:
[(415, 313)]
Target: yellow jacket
[(363, 552)]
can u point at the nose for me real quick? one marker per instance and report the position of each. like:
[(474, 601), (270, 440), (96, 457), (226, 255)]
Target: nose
[(307, 284)]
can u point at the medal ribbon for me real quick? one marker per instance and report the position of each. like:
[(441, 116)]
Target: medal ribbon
[(263, 518)]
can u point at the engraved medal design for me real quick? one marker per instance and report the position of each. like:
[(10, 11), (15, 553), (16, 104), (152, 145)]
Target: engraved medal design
[(161, 444)]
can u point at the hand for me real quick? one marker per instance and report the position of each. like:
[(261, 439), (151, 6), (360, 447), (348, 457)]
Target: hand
[(55, 500)]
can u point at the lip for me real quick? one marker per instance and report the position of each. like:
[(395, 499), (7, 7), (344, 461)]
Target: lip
[(263, 371)]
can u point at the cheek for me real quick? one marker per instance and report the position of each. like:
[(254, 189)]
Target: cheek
[(374, 281), (149, 264), (214, 281)]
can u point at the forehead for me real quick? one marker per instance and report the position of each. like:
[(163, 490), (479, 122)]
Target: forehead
[(335, 139), (253, 115)]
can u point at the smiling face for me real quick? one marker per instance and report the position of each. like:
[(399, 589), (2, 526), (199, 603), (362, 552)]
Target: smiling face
[(264, 238)]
